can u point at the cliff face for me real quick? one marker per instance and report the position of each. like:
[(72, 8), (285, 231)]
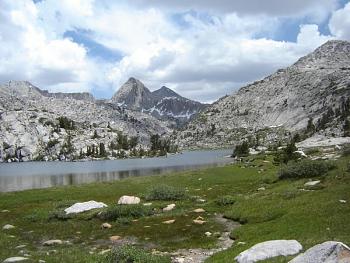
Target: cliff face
[(316, 85)]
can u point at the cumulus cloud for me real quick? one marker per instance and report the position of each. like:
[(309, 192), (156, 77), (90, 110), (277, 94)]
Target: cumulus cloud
[(340, 23), (203, 54), (29, 53)]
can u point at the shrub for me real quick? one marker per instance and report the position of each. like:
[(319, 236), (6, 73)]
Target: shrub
[(225, 200), (312, 151), (123, 221), (60, 215), (126, 211), (52, 143), (346, 150), (131, 254), (287, 154), (66, 123), (241, 150), (305, 169), (165, 193)]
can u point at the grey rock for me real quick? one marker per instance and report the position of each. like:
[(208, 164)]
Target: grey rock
[(7, 227), (84, 206), (327, 252), (269, 249), (312, 183), (15, 259), (128, 200), (53, 242)]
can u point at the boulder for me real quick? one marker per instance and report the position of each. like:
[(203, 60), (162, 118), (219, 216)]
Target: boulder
[(168, 222), (169, 207), (269, 249), (7, 227), (208, 234), (128, 200), (14, 259), (327, 252), (199, 210), (53, 242), (85, 206), (106, 226), (199, 221), (312, 183), (115, 238)]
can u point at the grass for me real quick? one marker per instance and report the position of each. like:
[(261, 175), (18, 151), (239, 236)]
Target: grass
[(128, 253), (282, 211)]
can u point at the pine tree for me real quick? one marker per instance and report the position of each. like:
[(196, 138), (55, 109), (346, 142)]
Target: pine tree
[(103, 152)]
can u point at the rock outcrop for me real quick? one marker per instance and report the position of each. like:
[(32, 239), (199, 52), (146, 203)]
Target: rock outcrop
[(316, 88), (327, 252)]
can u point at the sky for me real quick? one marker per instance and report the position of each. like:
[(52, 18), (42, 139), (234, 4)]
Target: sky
[(202, 49)]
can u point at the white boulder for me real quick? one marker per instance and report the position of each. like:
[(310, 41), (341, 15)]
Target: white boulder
[(301, 153), (128, 200), (53, 242), (169, 207), (327, 252), (269, 249), (14, 259), (312, 183), (7, 227), (85, 206)]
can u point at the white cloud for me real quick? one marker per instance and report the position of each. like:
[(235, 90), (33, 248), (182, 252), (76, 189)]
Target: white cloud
[(210, 56), (339, 24), (27, 51)]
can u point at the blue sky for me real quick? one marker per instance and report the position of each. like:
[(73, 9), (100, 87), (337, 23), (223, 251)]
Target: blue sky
[(202, 49)]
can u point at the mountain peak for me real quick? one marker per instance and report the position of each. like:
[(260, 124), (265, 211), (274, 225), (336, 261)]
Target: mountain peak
[(332, 54), (132, 94), (165, 92)]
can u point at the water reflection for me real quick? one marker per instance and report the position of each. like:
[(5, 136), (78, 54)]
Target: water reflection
[(15, 177)]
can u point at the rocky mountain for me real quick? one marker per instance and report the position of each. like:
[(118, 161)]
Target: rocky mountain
[(164, 103), (37, 124), (310, 96)]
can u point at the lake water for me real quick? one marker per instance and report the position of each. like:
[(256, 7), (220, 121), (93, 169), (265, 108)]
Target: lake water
[(33, 175)]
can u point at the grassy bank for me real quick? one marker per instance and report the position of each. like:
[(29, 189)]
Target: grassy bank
[(282, 211)]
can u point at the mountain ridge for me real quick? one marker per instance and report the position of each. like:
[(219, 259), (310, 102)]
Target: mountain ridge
[(282, 102)]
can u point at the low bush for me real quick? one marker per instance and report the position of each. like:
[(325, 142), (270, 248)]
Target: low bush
[(60, 215), (305, 169), (346, 150), (131, 254), (165, 193), (225, 200), (125, 211)]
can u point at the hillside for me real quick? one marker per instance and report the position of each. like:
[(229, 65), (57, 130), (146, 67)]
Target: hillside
[(314, 90), (37, 124)]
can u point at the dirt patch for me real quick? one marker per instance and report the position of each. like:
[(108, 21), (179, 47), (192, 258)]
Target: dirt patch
[(200, 255)]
